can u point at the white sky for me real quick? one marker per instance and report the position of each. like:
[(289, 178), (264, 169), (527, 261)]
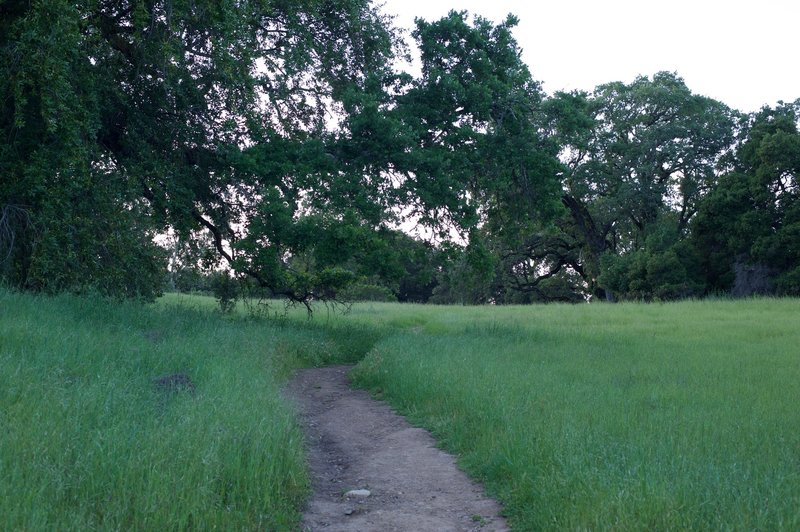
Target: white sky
[(743, 53)]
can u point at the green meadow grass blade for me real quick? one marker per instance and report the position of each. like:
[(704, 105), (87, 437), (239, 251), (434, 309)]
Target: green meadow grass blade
[(675, 416)]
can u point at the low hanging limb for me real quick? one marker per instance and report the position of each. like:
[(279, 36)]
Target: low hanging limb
[(303, 298), (293, 296)]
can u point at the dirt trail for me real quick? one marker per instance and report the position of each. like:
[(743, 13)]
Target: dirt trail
[(356, 442)]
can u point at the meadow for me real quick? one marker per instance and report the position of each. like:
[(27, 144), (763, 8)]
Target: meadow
[(627, 416), (88, 440)]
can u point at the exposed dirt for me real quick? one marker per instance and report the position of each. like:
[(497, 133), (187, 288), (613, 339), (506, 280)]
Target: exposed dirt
[(356, 442)]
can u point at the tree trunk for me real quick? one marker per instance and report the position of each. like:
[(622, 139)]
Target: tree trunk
[(595, 241)]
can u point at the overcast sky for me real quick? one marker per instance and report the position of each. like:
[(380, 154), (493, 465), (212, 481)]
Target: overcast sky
[(744, 53)]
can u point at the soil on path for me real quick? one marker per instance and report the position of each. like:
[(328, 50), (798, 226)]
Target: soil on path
[(355, 442)]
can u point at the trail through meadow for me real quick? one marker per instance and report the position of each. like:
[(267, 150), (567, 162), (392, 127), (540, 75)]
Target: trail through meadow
[(357, 443)]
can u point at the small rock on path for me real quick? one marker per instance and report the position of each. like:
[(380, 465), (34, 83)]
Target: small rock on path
[(357, 443)]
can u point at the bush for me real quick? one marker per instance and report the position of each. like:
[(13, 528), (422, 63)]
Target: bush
[(366, 292), (226, 290)]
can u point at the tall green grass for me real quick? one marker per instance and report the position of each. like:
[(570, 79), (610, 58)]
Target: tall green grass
[(348, 340), (87, 440), (593, 416), (630, 416)]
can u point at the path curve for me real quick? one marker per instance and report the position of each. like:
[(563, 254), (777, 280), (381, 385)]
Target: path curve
[(355, 442)]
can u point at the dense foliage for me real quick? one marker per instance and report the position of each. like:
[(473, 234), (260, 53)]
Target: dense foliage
[(747, 232), (121, 120), (281, 142)]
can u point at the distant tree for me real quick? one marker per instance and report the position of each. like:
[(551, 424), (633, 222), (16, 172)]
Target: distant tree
[(472, 121), (751, 221), (479, 163), (637, 160), (467, 276), (664, 268), (410, 267), (394, 266)]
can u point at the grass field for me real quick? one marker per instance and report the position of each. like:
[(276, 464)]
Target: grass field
[(576, 417), (88, 441), (634, 417)]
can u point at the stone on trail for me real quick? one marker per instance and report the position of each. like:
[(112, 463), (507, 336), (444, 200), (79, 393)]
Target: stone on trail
[(357, 493)]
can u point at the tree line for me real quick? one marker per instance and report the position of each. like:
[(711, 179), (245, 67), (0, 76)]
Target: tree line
[(282, 141)]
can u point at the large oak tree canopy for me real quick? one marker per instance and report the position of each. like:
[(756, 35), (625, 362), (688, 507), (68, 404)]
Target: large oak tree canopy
[(139, 117), (281, 139), (635, 161)]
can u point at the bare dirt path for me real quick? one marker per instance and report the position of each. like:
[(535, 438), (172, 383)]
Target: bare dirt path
[(356, 442)]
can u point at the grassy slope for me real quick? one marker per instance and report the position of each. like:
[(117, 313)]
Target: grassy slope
[(87, 441), (627, 416)]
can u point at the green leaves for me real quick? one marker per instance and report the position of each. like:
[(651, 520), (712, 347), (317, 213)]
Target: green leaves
[(753, 216), (475, 116), (187, 116), (280, 136), (638, 156)]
